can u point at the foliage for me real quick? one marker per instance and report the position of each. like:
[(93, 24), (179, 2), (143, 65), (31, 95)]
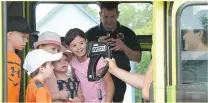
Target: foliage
[(92, 11), (137, 16), (204, 21)]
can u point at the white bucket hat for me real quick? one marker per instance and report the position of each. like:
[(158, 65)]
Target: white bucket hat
[(37, 57), (49, 37)]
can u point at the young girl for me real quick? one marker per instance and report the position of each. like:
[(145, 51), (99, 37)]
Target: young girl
[(76, 42), (65, 82)]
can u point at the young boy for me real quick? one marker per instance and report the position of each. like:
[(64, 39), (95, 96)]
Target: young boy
[(17, 36), (39, 69), (51, 42), (70, 83)]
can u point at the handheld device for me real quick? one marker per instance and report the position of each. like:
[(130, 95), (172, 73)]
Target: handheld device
[(96, 50)]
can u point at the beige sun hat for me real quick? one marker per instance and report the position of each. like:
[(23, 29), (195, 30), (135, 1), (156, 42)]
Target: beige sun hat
[(49, 37)]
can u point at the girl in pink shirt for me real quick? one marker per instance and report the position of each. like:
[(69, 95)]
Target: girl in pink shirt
[(76, 42)]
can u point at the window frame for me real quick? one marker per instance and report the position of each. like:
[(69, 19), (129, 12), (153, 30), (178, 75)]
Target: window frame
[(179, 37)]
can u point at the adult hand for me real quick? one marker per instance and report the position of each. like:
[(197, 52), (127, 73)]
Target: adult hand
[(111, 63), (118, 45), (105, 39)]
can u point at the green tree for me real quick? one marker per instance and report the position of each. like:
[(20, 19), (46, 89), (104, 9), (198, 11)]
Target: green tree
[(91, 10), (137, 16)]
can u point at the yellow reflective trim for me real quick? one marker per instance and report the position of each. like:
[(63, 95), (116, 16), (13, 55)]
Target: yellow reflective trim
[(171, 91), (158, 52)]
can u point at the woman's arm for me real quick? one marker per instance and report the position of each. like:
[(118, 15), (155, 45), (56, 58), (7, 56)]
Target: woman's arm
[(134, 79), (147, 82), (137, 80), (109, 87)]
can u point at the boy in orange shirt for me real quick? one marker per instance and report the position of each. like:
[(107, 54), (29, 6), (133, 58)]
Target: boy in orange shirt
[(17, 36), (51, 42), (39, 69)]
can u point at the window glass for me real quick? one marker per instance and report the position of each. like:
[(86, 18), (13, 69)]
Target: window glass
[(193, 71), (194, 51), (137, 16), (60, 18)]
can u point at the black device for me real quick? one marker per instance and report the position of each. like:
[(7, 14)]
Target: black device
[(115, 34), (100, 94), (96, 50), (111, 34)]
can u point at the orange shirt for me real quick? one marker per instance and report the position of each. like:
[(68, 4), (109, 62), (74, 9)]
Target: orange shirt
[(14, 74), (37, 92)]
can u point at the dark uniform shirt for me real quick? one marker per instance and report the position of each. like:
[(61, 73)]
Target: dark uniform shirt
[(130, 40), (71, 85)]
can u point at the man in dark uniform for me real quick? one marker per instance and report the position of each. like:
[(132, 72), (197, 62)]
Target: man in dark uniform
[(123, 42)]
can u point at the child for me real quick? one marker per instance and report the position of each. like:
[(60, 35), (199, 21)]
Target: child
[(39, 69), (51, 42), (76, 42), (17, 36), (65, 82)]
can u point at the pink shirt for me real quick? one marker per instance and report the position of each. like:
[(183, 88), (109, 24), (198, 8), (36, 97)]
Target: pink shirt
[(89, 89)]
